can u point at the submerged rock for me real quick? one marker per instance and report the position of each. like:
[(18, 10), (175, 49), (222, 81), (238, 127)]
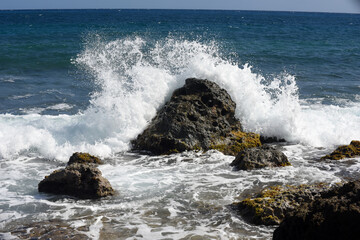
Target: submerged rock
[(271, 205), (335, 215), (259, 157), (51, 229), (345, 151), (85, 158), (199, 116), (82, 180)]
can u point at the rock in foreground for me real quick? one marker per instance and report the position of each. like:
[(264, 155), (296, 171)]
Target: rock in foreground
[(199, 116), (336, 215), (271, 205), (78, 180), (345, 151), (259, 157)]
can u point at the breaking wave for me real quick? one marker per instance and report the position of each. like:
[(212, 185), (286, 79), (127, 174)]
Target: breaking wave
[(134, 77)]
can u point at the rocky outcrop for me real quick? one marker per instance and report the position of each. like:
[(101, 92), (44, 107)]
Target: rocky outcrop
[(345, 151), (82, 180), (259, 157), (85, 158), (272, 204), (335, 215), (199, 116)]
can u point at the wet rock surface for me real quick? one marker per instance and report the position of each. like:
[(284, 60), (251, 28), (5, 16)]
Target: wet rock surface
[(259, 157), (271, 205), (82, 180), (265, 139), (199, 116), (345, 151), (334, 215)]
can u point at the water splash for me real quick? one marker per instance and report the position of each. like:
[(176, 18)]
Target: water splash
[(134, 77)]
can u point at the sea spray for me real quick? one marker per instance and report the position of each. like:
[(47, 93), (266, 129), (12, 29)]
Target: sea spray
[(134, 78), (149, 72)]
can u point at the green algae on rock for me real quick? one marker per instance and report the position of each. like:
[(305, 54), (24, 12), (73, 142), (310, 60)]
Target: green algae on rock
[(85, 158), (345, 151), (239, 141), (270, 206), (199, 116)]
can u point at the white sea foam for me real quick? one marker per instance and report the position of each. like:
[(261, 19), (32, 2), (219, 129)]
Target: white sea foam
[(135, 77), (9, 80), (39, 110), (60, 106), (16, 97), (177, 196)]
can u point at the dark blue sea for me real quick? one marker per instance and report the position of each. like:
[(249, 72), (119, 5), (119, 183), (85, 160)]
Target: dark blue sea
[(91, 80)]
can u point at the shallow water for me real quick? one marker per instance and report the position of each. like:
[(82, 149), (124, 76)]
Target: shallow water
[(181, 196)]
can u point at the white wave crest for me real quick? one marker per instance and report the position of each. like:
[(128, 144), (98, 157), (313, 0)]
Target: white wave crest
[(135, 77)]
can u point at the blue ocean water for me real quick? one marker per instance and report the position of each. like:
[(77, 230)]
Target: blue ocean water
[(36, 47), (91, 80)]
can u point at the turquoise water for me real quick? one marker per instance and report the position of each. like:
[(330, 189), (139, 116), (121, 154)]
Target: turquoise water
[(91, 81)]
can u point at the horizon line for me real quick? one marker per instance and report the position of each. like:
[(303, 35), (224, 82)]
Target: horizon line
[(181, 9)]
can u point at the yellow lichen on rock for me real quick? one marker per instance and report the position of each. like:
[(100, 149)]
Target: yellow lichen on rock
[(84, 158), (345, 151), (239, 141), (270, 206), (285, 164)]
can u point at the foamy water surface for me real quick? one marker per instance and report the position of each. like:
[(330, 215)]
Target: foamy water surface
[(168, 197)]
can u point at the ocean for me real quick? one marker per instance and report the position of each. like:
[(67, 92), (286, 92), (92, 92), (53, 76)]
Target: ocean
[(91, 81)]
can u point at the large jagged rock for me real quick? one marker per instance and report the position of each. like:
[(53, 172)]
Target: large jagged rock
[(259, 157), (199, 116), (271, 205), (345, 151), (82, 180), (335, 215)]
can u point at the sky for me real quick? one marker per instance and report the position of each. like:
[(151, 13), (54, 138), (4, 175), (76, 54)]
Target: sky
[(345, 6)]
